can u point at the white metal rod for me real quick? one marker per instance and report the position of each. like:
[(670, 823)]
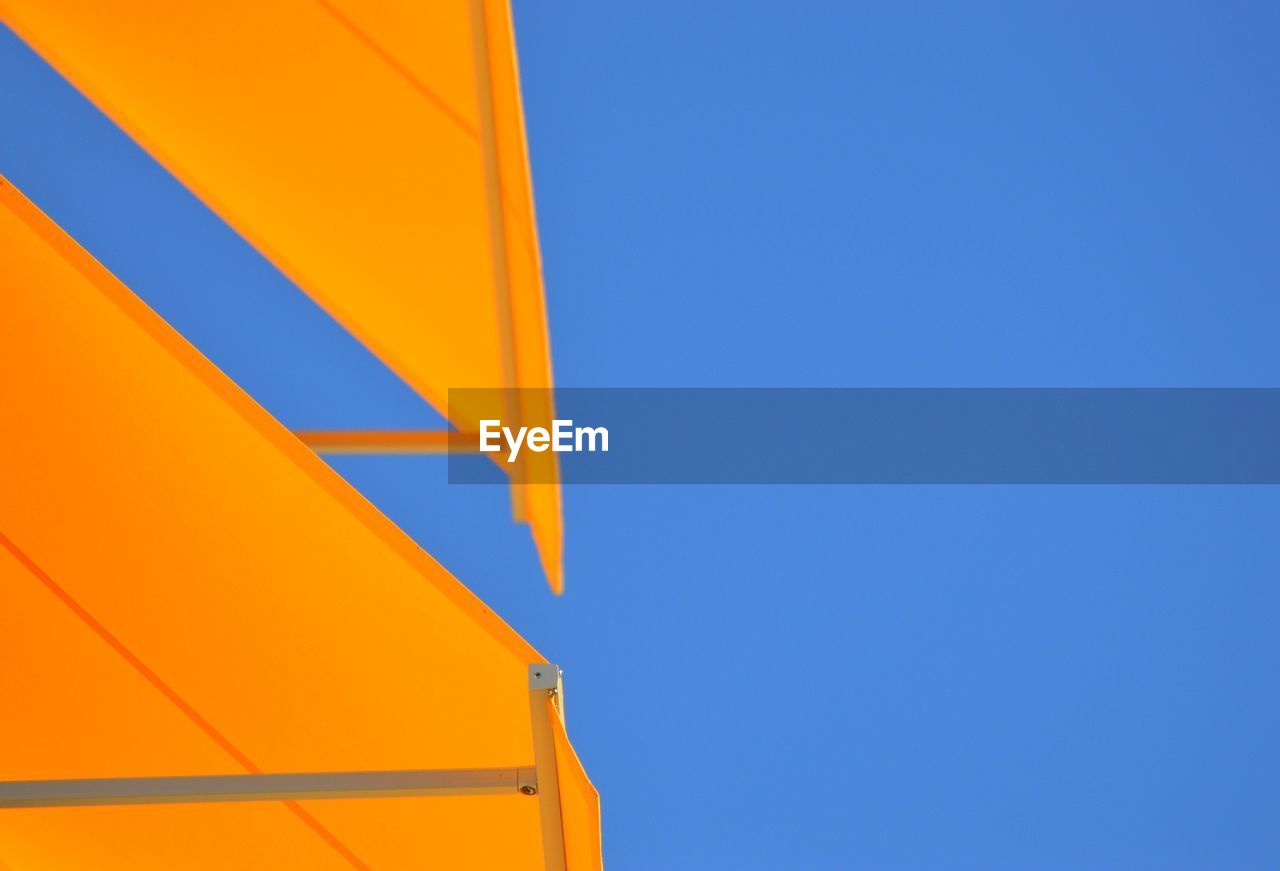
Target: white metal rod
[(544, 696), (267, 787)]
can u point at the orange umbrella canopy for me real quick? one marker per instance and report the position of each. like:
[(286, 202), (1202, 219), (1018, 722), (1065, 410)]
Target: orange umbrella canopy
[(372, 149), (189, 590)]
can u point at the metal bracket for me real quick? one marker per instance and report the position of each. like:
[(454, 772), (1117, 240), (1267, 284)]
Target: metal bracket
[(544, 676)]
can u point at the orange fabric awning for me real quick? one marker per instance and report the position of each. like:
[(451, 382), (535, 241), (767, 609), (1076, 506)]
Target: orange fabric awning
[(374, 150), (580, 806), (188, 590)]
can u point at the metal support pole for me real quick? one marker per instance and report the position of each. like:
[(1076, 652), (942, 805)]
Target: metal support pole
[(382, 441), (267, 787), (492, 166), (544, 703)]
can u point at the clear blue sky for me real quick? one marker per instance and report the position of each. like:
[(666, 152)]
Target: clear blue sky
[(831, 194)]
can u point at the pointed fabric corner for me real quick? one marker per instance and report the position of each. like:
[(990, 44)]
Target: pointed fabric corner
[(580, 806), (374, 152)]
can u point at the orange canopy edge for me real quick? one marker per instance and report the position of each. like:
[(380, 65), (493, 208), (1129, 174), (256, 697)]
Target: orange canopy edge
[(374, 150), (191, 591)]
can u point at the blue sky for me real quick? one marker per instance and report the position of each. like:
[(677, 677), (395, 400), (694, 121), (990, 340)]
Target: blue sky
[(825, 194)]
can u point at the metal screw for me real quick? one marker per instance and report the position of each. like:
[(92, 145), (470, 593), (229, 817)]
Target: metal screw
[(529, 790)]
